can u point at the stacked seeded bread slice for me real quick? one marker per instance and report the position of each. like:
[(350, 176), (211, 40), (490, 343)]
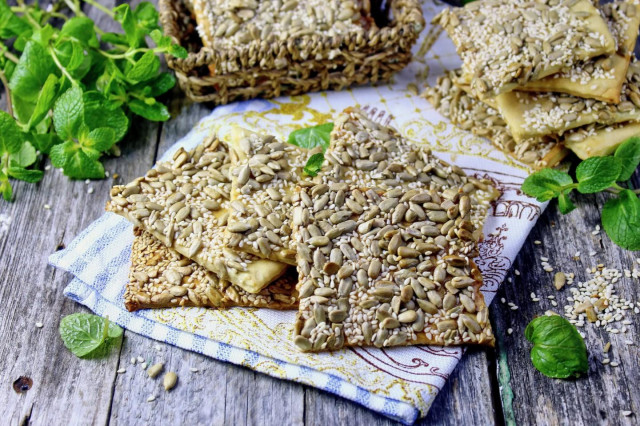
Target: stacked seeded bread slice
[(382, 239), (589, 104)]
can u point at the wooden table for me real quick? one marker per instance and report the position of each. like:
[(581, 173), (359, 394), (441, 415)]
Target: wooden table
[(488, 386)]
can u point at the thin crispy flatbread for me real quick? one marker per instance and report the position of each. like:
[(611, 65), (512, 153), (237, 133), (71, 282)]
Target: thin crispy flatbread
[(162, 278), (184, 204), (264, 175), (597, 141), (600, 78), (452, 100), (534, 115), (382, 276), (507, 43)]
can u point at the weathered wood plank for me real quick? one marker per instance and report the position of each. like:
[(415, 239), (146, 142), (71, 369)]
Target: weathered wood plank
[(600, 397), (66, 390)]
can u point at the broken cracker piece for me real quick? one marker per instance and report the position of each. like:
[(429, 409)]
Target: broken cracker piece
[(507, 43), (264, 175), (162, 278), (534, 115), (184, 204), (600, 78)]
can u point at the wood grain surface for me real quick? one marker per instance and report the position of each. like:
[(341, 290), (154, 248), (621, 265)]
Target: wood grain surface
[(488, 387)]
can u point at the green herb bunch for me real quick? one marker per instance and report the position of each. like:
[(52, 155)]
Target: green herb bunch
[(71, 91), (620, 214), (310, 138)]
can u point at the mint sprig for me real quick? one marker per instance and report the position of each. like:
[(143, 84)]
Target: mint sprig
[(621, 214), (72, 91), (310, 138), (87, 335)]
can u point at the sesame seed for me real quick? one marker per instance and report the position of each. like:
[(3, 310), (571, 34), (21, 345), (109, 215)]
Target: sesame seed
[(133, 360), (627, 413), (537, 242), (47, 207), (90, 190), (509, 330), (121, 371), (143, 365), (39, 325), (140, 359), (193, 370), (151, 398), (614, 364)]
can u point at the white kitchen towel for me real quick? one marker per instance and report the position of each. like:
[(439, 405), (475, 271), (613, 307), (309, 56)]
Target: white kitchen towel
[(399, 382)]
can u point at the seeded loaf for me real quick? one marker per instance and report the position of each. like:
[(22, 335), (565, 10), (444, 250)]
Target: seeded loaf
[(507, 43), (452, 100), (264, 175), (184, 204), (383, 277), (368, 154), (600, 78), (162, 278), (540, 114), (593, 140)]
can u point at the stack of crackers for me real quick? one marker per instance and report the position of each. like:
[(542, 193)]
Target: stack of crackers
[(376, 250), (540, 77)]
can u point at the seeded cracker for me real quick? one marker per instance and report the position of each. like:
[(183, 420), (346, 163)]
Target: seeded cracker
[(593, 140), (225, 24), (481, 117), (530, 115), (600, 78), (184, 204), (163, 278), (395, 270), (264, 174), (507, 43), (367, 154)]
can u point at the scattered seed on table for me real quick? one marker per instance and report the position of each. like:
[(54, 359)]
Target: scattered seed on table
[(121, 371), (39, 325)]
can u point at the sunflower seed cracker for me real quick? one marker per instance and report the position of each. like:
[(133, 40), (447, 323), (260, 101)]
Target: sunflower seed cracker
[(264, 174), (386, 278), (162, 278), (450, 98), (540, 114), (600, 78), (505, 43)]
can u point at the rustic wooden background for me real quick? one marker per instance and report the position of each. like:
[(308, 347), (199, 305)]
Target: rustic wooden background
[(489, 386)]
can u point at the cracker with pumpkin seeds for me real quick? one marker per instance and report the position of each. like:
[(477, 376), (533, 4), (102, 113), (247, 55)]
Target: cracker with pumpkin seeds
[(380, 276), (600, 78), (507, 43), (162, 278), (184, 204), (264, 175), (368, 154), (451, 99), (539, 114)]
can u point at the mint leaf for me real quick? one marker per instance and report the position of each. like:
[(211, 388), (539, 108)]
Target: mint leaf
[(81, 30), (154, 112), (60, 153), (10, 24), (145, 68), (100, 112), (100, 139), (621, 220), (146, 17), (11, 138), (68, 113), (546, 184), (32, 71), (44, 141), (312, 137), (88, 336), (314, 164), (23, 158), (125, 17), (160, 84), (629, 155), (596, 174), (45, 100), (27, 175), (70, 53), (558, 349), (564, 203)]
